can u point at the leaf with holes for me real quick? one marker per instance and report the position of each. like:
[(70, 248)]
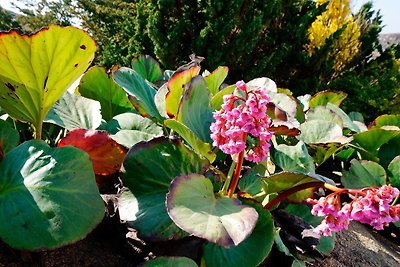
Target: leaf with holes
[(105, 154), (148, 169), (98, 84), (48, 196), (192, 205), (74, 112), (36, 70)]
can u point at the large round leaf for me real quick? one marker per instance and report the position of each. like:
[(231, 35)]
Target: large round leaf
[(141, 92), (48, 196), (148, 170), (373, 139), (105, 153), (170, 262), (251, 252), (285, 180), (36, 70), (9, 138), (325, 97), (394, 172), (128, 129), (193, 207), (364, 174), (294, 158), (148, 68), (320, 131), (195, 109), (199, 146), (216, 78), (74, 111), (175, 89), (98, 84)]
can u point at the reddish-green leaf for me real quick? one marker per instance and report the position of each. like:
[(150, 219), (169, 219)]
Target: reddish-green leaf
[(106, 154), (175, 89)]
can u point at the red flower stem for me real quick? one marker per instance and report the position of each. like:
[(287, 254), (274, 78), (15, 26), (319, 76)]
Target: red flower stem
[(235, 179), (291, 191), (236, 175)]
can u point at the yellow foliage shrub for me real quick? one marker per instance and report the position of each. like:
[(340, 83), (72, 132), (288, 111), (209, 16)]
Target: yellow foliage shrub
[(336, 16)]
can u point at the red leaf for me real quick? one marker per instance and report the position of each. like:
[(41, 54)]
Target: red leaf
[(106, 154)]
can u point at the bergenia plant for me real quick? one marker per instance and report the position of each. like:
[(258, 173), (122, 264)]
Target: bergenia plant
[(204, 159)]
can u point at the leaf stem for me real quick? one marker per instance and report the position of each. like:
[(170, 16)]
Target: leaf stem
[(38, 130), (291, 191), (227, 182)]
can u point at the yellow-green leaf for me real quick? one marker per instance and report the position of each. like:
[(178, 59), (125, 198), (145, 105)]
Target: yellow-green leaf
[(36, 70)]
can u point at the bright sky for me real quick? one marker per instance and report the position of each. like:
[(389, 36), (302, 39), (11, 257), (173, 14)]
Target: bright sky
[(389, 9)]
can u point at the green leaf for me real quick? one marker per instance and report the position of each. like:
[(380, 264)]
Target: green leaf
[(36, 70), (251, 181), (129, 128), (387, 120), (325, 114), (216, 78), (282, 181), (9, 138), (320, 131), (175, 89), (98, 84), (170, 262), (195, 111), (251, 252), (199, 146), (192, 205), (148, 68), (217, 100), (373, 139), (74, 111), (147, 171), (160, 102), (269, 84), (294, 158), (347, 122), (364, 174), (48, 196), (387, 152), (137, 87), (394, 172), (325, 97)]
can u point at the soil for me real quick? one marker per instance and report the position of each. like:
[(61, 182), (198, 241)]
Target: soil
[(110, 244)]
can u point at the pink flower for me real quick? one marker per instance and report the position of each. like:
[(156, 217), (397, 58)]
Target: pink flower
[(239, 118), (370, 206)]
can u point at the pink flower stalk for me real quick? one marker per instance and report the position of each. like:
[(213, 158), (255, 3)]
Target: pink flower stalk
[(370, 206), (239, 118)]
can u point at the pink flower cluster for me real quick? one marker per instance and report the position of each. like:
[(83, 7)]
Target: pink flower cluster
[(370, 206), (239, 118)]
